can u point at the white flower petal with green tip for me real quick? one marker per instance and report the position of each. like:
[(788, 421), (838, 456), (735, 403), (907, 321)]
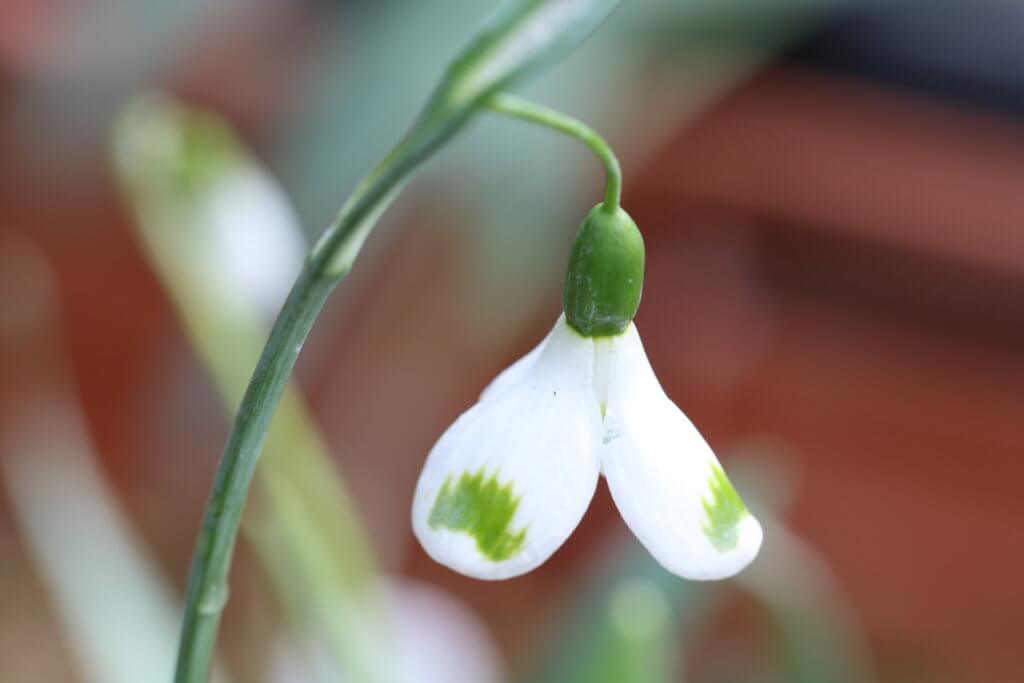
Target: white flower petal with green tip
[(664, 478), (509, 481)]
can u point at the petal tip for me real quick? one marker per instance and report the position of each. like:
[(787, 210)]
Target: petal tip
[(459, 553), (719, 565)]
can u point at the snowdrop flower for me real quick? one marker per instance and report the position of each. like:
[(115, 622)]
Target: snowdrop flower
[(509, 481)]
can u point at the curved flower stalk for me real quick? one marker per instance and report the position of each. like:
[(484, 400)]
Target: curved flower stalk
[(507, 484), (224, 242)]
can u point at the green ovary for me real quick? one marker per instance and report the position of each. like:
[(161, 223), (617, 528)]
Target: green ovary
[(725, 510), (483, 508)]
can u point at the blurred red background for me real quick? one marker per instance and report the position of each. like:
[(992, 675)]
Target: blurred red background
[(834, 263)]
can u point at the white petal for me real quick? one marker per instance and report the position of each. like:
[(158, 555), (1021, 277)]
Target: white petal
[(664, 478), (510, 480), (515, 372)]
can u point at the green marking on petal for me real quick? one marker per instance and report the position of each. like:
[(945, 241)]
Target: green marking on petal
[(724, 510), (483, 508)]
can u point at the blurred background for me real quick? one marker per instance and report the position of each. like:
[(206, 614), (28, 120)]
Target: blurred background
[(832, 195)]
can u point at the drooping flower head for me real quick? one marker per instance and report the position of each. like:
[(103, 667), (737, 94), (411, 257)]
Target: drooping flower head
[(509, 481)]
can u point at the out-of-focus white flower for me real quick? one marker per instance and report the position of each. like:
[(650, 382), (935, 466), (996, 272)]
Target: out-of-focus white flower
[(432, 638), (257, 241), (191, 180)]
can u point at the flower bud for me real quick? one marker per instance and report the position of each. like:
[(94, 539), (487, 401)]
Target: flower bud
[(606, 274)]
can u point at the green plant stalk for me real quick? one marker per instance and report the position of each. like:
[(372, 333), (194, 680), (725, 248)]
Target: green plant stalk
[(517, 107), (208, 586), (521, 38), (307, 519), (327, 264)]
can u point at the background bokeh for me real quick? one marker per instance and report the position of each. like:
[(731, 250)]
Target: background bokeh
[(832, 195)]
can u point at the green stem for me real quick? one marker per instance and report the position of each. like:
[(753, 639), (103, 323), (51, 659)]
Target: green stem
[(517, 107), (208, 582), (329, 261)]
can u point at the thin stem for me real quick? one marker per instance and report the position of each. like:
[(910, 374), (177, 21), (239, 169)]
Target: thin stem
[(208, 582), (517, 107), (329, 261), (308, 522)]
